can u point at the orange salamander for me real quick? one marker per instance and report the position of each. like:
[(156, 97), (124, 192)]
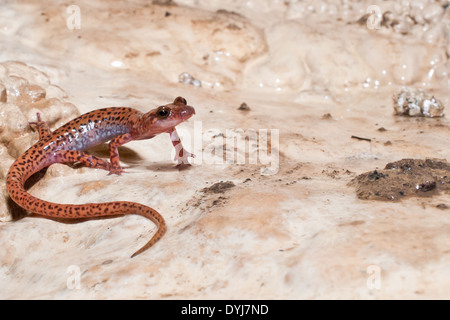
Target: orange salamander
[(118, 125)]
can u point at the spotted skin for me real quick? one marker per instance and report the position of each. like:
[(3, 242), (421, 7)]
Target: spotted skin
[(118, 125)]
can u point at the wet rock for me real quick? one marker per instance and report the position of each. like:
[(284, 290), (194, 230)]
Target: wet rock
[(403, 178)]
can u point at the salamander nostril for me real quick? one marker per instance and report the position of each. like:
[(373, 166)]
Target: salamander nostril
[(187, 112)]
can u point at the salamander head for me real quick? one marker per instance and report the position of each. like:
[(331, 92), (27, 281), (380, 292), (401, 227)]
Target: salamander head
[(164, 118)]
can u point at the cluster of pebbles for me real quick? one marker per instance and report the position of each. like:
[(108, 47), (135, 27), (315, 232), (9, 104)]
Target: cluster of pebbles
[(417, 103)]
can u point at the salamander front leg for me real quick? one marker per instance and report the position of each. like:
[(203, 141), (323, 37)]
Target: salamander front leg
[(181, 155), (115, 167)]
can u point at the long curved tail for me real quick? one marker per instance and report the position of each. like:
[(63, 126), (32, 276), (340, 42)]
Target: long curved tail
[(19, 173)]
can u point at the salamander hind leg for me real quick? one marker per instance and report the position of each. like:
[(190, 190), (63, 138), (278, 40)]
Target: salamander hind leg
[(42, 127), (85, 159)]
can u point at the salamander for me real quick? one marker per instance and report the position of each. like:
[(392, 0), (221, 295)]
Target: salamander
[(118, 125)]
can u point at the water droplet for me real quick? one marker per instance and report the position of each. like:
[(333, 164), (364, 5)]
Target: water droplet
[(117, 64)]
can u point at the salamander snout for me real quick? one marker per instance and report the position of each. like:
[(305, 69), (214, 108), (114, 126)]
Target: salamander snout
[(187, 112), (184, 111)]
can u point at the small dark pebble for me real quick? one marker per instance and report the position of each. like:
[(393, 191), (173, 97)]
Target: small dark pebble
[(442, 206), (244, 107), (427, 186), (375, 175)]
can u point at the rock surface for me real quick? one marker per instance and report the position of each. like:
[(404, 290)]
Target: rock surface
[(265, 211)]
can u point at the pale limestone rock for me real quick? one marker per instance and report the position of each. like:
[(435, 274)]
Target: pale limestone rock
[(233, 233), (22, 95)]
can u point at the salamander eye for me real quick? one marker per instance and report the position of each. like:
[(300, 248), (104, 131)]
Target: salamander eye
[(163, 112)]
